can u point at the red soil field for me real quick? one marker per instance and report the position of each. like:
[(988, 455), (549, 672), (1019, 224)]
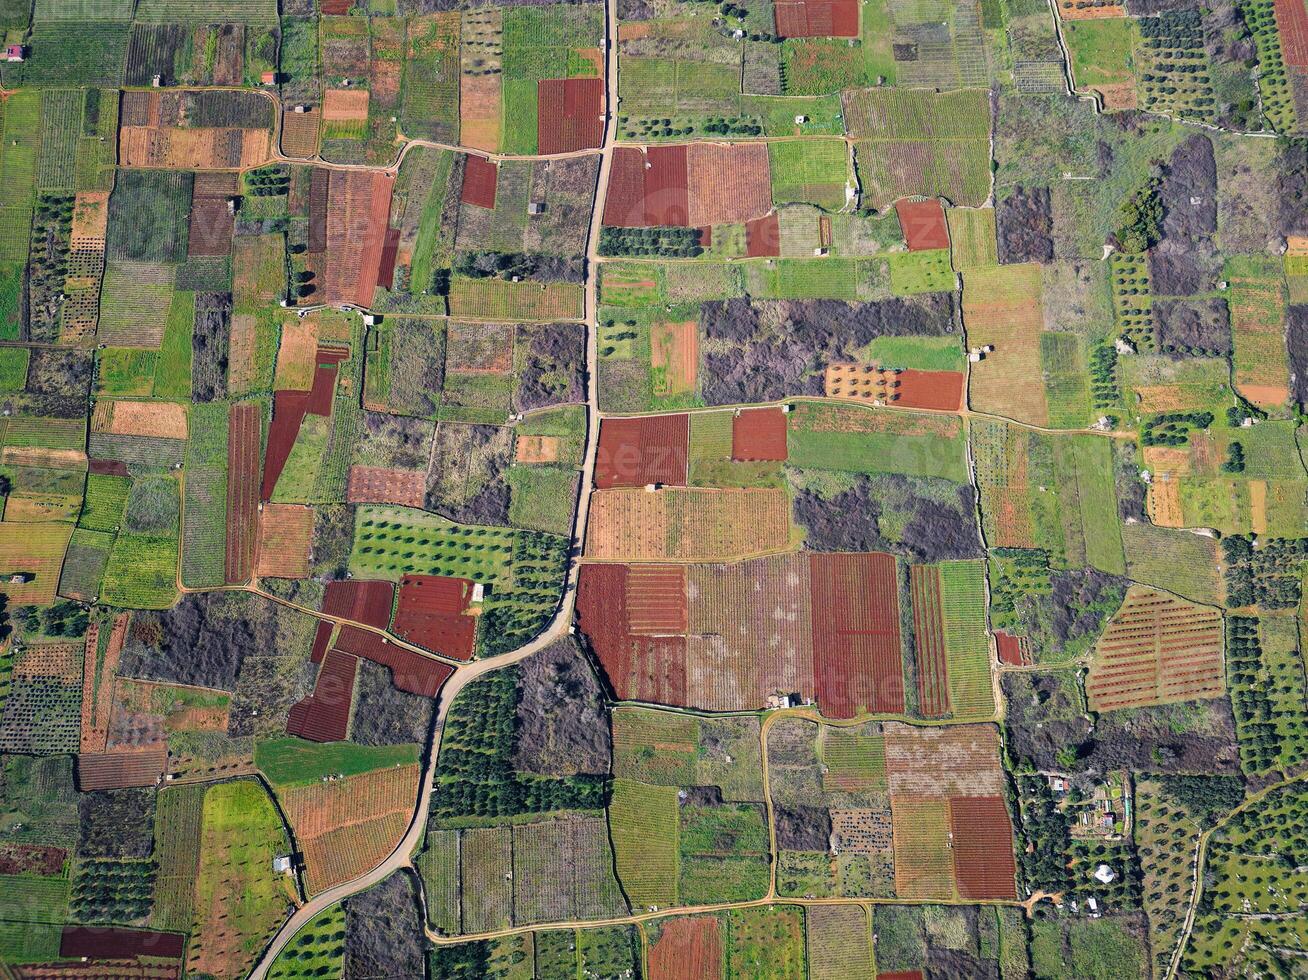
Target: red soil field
[(363, 601), (335, 8), (358, 213), (901, 975), (37, 859), (380, 485), (390, 251), (983, 847), (763, 237), (410, 671), (940, 390), (324, 716), (758, 434), (817, 18), (433, 613), (569, 114), (289, 408), (108, 467), (105, 942), (665, 186), (212, 226), (706, 236), (687, 949), (640, 451), (641, 668), (321, 641), (324, 380), (1013, 650), (122, 768), (923, 224), (727, 183), (244, 424), (656, 599), (480, 178), (929, 636), (318, 186), (624, 204), (1292, 23), (641, 195), (857, 659)]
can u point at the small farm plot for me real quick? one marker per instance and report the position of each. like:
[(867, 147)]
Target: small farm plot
[(239, 900), (1257, 301), (767, 941), (36, 553), (687, 947), (839, 946), (687, 523), (1177, 561), (967, 646), (810, 172), (644, 826), (640, 451), (981, 834), (1157, 649), (1002, 308)]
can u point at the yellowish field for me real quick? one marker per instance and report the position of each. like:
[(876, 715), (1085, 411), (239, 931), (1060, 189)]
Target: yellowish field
[(687, 524), (1002, 307)]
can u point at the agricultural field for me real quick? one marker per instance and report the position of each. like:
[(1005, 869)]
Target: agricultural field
[(682, 433)]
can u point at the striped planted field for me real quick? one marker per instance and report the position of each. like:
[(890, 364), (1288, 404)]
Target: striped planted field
[(644, 824), (929, 636), (1157, 649), (857, 656), (982, 839), (839, 942), (967, 647), (657, 747), (687, 949), (243, 445), (349, 825), (563, 870), (923, 863), (852, 763)]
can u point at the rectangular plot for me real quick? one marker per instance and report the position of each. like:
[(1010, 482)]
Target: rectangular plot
[(857, 662), (542, 871), (644, 824), (243, 445), (923, 864), (61, 122), (967, 647), (486, 878), (982, 839), (839, 943), (438, 863)]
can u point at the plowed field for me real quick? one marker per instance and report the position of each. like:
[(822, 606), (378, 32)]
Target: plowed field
[(983, 848), (929, 637), (687, 524), (687, 949), (1157, 649), (637, 452), (857, 657)]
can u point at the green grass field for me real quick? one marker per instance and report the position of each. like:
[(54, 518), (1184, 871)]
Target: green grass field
[(294, 762), (172, 377), (204, 531), (316, 950), (106, 499), (142, 572), (927, 271), (1101, 50), (1178, 561), (919, 353), (542, 498), (127, 371), (810, 172), (390, 542), (967, 647), (13, 368), (894, 444), (239, 901)]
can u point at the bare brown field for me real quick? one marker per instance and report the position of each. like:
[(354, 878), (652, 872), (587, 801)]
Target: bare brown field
[(727, 183), (285, 537), (166, 420), (345, 104)]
